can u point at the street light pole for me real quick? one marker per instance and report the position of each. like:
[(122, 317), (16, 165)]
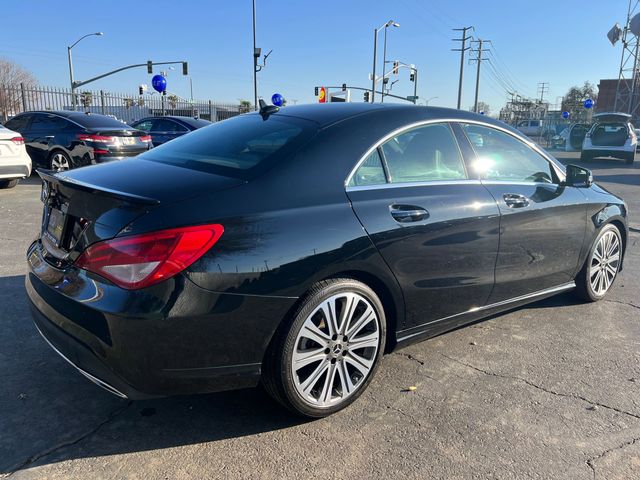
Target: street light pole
[(384, 62), (375, 54), (255, 61), (73, 88)]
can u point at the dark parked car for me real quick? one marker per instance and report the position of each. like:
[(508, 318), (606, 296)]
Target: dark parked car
[(295, 247), (65, 139), (163, 129)]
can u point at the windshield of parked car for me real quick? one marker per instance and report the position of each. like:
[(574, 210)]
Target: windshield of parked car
[(235, 146)]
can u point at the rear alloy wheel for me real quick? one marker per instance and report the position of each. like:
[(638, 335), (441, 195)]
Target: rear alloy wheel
[(60, 162), (9, 183), (331, 351), (601, 268)]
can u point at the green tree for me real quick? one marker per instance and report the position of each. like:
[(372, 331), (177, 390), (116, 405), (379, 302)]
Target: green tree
[(245, 106)]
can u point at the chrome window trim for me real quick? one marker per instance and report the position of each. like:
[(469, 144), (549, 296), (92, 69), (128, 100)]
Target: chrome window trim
[(528, 296), (426, 183), (398, 131)]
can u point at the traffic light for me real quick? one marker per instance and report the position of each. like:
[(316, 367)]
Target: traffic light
[(316, 91), (412, 76), (149, 66), (140, 90), (185, 68), (396, 66), (366, 96), (344, 87)]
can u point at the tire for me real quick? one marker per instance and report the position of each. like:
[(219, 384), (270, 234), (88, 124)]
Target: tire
[(585, 157), (9, 183), (59, 161), (630, 158), (589, 287), (305, 390)]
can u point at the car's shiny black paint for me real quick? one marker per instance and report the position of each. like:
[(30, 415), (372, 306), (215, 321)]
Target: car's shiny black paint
[(41, 144), (208, 328)]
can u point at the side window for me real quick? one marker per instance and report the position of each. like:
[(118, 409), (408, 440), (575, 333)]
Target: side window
[(165, 125), (18, 124), (370, 172), (501, 156), (423, 154), (145, 126), (48, 123)]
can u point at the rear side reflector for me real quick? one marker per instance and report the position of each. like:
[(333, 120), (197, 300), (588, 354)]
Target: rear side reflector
[(18, 140), (145, 138), (139, 261)]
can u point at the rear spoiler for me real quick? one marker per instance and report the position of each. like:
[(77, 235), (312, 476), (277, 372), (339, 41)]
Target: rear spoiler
[(50, 176)]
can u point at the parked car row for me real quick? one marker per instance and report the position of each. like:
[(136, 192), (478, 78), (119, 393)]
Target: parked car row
[(62, 140)]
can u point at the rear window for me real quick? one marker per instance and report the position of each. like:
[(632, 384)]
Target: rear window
[(236, 146), (196, 122), (99, 122)]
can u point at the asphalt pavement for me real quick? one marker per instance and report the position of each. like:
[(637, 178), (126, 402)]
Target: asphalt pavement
[(551, 390)]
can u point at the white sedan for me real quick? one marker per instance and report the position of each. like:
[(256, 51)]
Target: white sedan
[(15, 163)]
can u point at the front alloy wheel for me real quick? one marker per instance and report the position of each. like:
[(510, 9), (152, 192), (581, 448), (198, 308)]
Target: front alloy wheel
[(602, 265), (328, 356)]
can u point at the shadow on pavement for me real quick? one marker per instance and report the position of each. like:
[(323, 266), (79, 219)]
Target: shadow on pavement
[(47, 406)]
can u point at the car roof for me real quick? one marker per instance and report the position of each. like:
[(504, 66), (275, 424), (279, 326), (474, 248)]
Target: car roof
[(330, 113)]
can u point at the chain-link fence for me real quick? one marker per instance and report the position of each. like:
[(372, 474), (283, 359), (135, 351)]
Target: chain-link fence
[(19, 98)]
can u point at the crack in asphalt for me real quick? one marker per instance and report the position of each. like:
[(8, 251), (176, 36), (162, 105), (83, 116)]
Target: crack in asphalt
[(544, 389), (69, 443), (410, 357), (591, 462), (629, 304)]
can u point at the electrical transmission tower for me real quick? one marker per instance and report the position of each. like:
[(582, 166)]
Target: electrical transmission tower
[(543, 87), (463, 48)]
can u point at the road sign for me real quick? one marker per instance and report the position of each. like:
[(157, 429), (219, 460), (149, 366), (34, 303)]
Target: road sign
[(588, 103), (322, 95), (565, 115), (412, 98)]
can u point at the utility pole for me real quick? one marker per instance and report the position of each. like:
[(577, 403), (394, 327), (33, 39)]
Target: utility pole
[(478, 59), (463, 48), (543, 87)]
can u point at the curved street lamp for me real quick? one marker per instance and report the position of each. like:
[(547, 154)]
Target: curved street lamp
[(73, 95), (388, 24)]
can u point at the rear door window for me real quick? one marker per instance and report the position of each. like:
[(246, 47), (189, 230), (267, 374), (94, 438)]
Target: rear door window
[(235, 146), (370, 172), (48, 123), (144, 126), (167, 125), (424, 154)]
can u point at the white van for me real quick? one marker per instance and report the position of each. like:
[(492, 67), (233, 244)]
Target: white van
[(532, 128)]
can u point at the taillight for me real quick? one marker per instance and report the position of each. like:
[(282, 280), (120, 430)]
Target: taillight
[(18, 140), (139, 261), (145, 138), (88, 137)]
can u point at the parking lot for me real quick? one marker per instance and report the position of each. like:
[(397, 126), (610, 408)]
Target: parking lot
[(551, 390)]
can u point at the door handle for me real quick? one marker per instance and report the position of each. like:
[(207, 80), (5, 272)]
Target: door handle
[(515, 200), (49, 136), (408, 213)]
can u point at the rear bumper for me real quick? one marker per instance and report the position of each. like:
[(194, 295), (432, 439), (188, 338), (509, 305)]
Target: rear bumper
[(616, 152), (20, 170), (173, 338)]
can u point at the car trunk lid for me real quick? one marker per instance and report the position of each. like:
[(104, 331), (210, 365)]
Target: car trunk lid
[(96, 203)]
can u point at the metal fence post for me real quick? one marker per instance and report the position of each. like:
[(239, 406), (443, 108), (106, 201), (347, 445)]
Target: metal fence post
[(24, 97), (210, 112), (102, 102)]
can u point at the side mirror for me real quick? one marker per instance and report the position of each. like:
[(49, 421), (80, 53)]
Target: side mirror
[(578, 176)]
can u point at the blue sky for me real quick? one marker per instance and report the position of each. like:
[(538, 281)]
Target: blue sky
[(316, 43)]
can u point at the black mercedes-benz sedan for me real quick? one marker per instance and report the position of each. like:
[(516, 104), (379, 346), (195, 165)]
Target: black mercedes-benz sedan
[(294, 247), (61, 140)]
